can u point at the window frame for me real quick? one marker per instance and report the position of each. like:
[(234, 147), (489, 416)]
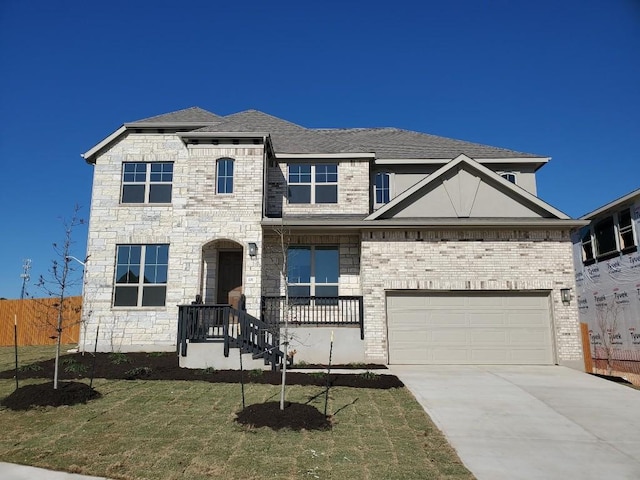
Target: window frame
[(147, 183), (226, 176), (145, 261), (314, 183), (592, 239), (381, 189), (507, 175), (313, 282)]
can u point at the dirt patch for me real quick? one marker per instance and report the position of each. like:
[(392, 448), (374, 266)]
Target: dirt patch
[(44, 395), (295, 416), (165, 366)]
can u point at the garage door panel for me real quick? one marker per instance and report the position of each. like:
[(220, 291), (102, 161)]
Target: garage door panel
[(411, 337), (447, 319), (484, 301), (528, 319), (527, 337), (532, 301), (489, 319), (449, 336), (446, 301), (492, 356), (469, 328), (489, 338)]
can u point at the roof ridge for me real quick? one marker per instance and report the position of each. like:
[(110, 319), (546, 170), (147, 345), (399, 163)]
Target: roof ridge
[(195, 110), (253, 110)]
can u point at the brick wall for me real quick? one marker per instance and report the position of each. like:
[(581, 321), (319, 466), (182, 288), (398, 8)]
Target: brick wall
[(468, 260), (353, 191)]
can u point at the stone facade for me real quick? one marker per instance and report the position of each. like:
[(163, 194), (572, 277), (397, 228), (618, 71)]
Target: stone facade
[(197, 220), (468, 260)]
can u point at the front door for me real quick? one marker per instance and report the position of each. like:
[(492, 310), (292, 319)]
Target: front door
[(229, 277)]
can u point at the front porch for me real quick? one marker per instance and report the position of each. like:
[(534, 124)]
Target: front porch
[(212, 330)]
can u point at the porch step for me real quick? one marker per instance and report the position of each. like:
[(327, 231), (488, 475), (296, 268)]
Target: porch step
[(211, 355)]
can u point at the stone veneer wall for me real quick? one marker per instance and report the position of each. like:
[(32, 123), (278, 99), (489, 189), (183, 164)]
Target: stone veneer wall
[(353, 191), (468, 260), (196, 217)]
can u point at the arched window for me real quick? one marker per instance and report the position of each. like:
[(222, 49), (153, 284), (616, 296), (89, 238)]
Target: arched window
[(382, 188), (510, 176), (225, 176)]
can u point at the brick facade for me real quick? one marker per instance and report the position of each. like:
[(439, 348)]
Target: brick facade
[(353, 191), (467, 260)]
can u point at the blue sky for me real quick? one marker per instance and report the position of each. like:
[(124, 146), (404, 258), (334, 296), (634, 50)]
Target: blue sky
[(557, 78)]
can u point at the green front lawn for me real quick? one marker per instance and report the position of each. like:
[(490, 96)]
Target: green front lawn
[(185, 429)]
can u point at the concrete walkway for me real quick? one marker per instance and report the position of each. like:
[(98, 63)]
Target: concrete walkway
[(512, 422), (10, 471)]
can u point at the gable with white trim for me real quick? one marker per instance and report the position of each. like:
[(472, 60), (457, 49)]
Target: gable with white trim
[(464, 188)]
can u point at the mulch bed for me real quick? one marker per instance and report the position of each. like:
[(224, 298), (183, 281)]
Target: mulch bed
[(44, 395), (295, 416), (165, 366)]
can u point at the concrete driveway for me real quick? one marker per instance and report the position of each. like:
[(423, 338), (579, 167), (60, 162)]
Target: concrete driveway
[(513, 422)]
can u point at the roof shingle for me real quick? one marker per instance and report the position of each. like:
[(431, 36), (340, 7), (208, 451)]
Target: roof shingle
[(288, 137), (187, 115)]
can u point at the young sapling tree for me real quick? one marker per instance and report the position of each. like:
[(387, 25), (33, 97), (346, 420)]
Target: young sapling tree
[(62, 277)]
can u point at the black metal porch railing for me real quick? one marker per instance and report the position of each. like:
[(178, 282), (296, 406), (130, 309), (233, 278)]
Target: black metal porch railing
[(317, 311), (236, 328)]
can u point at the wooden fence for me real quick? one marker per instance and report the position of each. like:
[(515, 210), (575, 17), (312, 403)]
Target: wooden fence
[(37, 319)]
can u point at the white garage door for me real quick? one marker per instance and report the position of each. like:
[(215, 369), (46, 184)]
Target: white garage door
[(469, 328)]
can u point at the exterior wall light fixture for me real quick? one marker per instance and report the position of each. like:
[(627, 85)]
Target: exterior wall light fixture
[(253, 249), (565, 295)]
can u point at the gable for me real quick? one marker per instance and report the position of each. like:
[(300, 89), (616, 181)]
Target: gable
[(465, 189)]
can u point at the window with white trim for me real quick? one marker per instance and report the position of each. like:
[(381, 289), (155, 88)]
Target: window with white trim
[(141, 275), (313, 183), (313, 271), (381, 188), (144, 182), (225, 175), (609, 237)]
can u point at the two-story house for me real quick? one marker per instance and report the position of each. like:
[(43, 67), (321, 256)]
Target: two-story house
[(607, 264), (404, 247)]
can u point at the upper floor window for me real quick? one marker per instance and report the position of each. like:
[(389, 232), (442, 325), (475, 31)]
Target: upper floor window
[(147, 182), (609, 237), (141, 275), (225, 175), (510, 176), (587, 246), (313, 183), (382, 191), (313, 272)]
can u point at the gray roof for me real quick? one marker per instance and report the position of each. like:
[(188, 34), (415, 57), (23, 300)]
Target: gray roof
[(187, 115), (386, 143), (252, 121)]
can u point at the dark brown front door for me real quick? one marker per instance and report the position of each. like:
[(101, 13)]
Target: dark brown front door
[(229, 277)]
